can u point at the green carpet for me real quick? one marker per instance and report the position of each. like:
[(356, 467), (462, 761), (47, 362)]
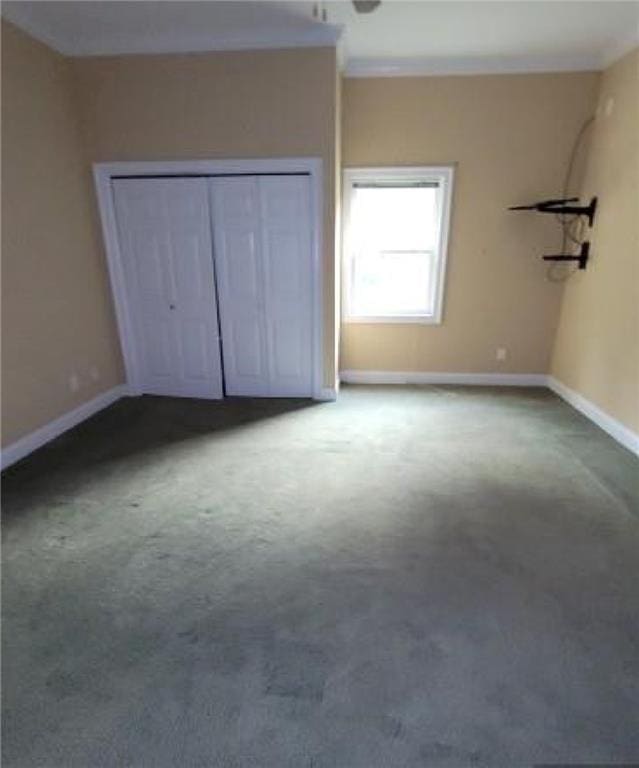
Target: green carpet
[(418, 576)]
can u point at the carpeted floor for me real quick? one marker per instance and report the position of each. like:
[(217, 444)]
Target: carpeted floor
[(407, 577)]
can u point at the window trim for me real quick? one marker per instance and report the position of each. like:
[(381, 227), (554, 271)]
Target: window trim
[(445, 176)]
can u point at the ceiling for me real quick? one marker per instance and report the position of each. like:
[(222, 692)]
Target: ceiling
[(398, 38)]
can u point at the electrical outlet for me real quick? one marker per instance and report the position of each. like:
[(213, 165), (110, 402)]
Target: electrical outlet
[(74, 382), (94, 373), (502, 353)]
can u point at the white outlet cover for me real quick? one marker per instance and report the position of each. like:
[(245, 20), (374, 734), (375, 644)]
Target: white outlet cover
[(74, 382), (502, 353), (94, 372)]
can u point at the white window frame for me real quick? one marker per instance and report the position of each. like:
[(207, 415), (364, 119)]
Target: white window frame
[(444, 176)]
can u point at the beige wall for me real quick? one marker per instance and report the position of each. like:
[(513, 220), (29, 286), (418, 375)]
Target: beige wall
[(56, 311), (510, 137), (61, 115), (597, 346), (236, 104)]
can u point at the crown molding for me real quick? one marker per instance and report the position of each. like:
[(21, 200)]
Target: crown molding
[(327, 35), (322, 35), (618, 50), (276, 42), (13, 15), (420, 67)]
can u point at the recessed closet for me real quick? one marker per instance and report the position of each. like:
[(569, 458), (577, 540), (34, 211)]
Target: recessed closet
[(218, 283)]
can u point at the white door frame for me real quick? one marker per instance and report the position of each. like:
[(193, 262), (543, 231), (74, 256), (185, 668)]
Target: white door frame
[(103, 174)]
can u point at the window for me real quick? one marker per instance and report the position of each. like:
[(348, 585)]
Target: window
[(395, 237)]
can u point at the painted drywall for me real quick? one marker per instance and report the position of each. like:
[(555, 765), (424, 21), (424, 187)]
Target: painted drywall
[(596, 351), (219, 105), (509, 137), (57, 319), (338, 220)]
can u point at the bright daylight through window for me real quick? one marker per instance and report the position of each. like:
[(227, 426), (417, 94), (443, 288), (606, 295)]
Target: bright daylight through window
[(395, 243)]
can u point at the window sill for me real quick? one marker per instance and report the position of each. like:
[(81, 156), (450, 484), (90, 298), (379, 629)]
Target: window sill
[(394, 320)]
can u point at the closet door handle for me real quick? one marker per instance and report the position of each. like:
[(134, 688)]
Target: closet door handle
[(171, 306)]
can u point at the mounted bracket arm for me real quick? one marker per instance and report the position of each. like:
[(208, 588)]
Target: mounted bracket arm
[(561, 206), (581, 257)]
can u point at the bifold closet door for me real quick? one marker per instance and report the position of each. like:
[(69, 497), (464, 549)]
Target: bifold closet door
[(164, 230), (263, 257)]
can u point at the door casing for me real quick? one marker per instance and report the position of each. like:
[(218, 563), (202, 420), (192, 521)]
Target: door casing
[(104, 173)]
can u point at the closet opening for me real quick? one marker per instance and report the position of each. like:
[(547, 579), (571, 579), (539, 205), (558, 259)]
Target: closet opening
[(216, 277)]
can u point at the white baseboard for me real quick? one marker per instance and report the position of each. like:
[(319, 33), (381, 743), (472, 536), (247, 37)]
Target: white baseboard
[(609, 424), (326, 394), (437, 377), (34, 440), (612, 426)]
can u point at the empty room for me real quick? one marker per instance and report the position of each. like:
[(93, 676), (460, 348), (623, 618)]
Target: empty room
[(320, 384)]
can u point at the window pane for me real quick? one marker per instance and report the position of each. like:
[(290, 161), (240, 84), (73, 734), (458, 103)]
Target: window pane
[(395, 218), (388, 283), (393, 237)]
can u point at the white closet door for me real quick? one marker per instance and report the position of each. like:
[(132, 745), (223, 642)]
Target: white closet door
[(165, 241), (288, 283), (240, 281), (263, 257)]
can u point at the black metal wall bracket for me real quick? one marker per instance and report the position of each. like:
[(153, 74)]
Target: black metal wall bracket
[(581, 257), (561, 206)]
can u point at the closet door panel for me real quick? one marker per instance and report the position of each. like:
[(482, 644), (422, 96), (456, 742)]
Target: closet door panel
[(149, 285), (238, 259), (194, 279), (287, 256), (148, 282), (166, 249)]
